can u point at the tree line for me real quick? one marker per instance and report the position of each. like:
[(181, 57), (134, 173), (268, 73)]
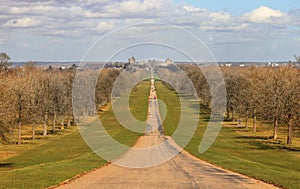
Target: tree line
[(36, 97), (269, 94)]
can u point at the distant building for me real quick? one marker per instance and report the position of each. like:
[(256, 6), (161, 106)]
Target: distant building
[(270, 64), (131, 60), (142, 62), (169, 61)]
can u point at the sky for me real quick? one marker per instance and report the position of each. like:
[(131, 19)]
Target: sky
[(102, 30)]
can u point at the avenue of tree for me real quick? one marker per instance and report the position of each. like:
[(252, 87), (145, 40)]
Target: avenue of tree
[(43, 97)]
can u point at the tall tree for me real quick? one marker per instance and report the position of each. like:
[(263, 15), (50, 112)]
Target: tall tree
[(291, 99), (19, 94), (5, 110)]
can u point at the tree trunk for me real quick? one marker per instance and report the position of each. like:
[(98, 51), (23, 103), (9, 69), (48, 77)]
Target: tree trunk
[(33, 131), (232, 115), (62, 126), (275, 128), (247, 117), (54, 123), (33, 127), (45, 125), (69, 121), (19, 132), (239, 121), (290, 131), (254, 120), (228, 113)]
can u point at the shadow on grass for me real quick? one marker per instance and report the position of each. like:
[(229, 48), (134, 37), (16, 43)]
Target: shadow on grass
[(263, 146), (6, 166), (255, 137), (293, 149), (267, 143)]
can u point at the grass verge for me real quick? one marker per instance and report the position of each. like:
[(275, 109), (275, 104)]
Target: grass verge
[(48, 162)]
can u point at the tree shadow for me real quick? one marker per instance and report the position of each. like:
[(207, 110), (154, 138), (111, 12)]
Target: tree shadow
[(5, 165), (293, 149), (267, 143), (263, 146), (254, 137)]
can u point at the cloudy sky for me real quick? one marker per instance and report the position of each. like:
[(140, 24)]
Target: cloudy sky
[(232, 30)]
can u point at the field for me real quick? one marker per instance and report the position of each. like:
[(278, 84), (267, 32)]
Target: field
[(239, 149)]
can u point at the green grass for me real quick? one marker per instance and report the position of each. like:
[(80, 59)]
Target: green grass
[(138, 100), (53, 159), (240, 150), (48, 162), (172, 103)]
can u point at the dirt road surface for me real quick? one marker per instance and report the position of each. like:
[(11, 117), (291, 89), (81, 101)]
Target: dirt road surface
[(182, 171)]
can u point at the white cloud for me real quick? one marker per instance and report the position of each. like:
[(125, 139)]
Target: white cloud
[(265, 15), (133, 9), (220, 16), (19, 10), (105, 26), (21, 23), (192, 9), (225, 28)]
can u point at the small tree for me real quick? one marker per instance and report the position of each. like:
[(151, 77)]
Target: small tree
[(297, 59), (4, 62), (30, 65)]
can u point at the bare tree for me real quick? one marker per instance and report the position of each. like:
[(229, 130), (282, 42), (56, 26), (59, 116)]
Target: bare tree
[(34, 100), (272, 98), (236, 88), (297, 58), (19, 94), (4, 62), (291, 99), (5, 110), (46, 99)]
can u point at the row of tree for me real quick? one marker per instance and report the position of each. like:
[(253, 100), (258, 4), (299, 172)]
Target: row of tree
[(33, 96), (267, 93)]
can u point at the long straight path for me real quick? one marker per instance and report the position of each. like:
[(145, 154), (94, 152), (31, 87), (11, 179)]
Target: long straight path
[(182, 171)]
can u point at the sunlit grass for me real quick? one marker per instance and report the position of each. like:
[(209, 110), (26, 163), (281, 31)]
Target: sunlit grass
[(48, 162)]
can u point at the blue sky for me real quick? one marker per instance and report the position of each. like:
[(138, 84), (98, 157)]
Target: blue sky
[(232, 30), (238, 7)]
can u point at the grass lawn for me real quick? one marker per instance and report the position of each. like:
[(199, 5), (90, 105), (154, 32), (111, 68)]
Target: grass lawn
[(53, 159), (139, 100), (172, 103), (240, 150), (47, 162)]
